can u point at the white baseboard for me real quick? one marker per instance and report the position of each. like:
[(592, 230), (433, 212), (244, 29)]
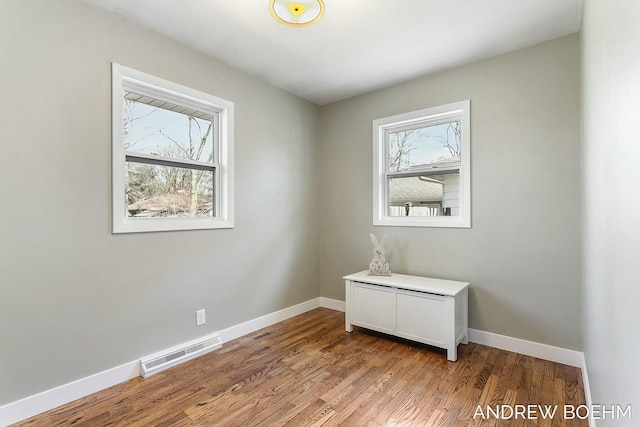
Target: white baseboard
[(333, 304), (587, 391), (33, 405), (267, 320), (528, 348), (49, 399)]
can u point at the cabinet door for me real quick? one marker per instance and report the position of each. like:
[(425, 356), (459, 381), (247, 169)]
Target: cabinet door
[(421, 317), (373, 307)]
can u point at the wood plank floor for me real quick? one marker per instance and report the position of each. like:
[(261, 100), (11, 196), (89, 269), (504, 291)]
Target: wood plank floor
[(307, 371)]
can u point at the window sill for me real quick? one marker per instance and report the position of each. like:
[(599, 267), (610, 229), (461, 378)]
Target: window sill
[(143, 225), (408, 221)]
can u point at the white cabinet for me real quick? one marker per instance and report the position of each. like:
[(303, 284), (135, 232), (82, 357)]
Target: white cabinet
[(374, 307), (421, 317), (430, 311)]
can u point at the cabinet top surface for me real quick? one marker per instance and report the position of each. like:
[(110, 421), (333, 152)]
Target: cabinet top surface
[(414, 283)]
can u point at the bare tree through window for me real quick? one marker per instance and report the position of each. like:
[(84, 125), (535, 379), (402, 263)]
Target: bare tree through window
[(163, 189)]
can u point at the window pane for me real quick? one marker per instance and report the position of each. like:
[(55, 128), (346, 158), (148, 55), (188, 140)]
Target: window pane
[(429, 146), (165, 191), (156, 127), (433, 195)]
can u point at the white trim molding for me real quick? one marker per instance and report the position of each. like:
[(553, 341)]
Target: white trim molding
[(333, 304), (33, 405), (528, 348), (587, 391), (250, 326)]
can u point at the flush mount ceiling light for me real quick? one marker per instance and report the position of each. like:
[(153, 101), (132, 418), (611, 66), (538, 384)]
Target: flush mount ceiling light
[(297, 13)]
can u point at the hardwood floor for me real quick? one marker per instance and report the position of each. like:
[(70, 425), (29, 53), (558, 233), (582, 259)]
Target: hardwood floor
[(307, 371)]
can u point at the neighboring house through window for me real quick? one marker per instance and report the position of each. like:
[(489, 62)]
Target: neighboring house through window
[(172, 156), (422, 168)]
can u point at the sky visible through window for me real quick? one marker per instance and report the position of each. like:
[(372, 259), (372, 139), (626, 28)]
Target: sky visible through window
[(153, 130), (424, 146)]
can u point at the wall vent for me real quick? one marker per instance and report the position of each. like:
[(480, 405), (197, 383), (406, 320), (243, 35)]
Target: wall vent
[(154, 363)]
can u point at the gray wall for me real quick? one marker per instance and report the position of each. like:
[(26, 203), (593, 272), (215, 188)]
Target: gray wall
[(75, 299), (611, 206), (522, 254)]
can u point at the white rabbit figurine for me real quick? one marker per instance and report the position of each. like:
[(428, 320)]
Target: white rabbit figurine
[(379, 266)]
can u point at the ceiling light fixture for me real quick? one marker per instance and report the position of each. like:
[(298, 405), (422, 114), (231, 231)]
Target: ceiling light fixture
[(297, 13)]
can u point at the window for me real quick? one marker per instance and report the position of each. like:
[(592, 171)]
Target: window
[(421, 167), (172, 156)]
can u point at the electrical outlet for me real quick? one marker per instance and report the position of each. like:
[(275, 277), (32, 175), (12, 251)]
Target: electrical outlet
[(201, 318)]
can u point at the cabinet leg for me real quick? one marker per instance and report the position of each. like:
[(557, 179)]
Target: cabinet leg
[(347, 312), (452, 353)]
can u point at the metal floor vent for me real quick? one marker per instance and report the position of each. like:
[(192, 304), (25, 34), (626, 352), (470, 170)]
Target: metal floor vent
[(160, 361)]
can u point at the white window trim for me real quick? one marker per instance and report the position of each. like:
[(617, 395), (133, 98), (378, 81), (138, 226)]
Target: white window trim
[(381, 126), (145, 84)]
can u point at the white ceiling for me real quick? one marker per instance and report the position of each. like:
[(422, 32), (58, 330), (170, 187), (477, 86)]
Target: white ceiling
[(359, 45)]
